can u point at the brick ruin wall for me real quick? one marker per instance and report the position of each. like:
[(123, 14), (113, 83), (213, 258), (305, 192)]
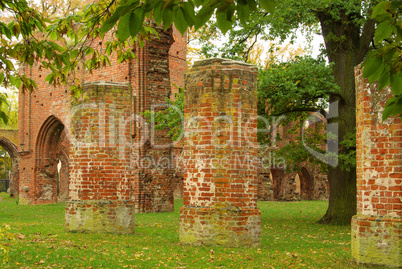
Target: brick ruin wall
[(45, 121), (42, 125), (281, 181), (277, 184), (153, 187), (377, 227)]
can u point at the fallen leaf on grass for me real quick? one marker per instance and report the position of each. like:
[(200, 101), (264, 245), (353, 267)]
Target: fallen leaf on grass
[(21, 236)]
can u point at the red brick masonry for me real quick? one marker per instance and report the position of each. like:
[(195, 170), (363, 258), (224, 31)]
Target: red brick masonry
[(220, 155)]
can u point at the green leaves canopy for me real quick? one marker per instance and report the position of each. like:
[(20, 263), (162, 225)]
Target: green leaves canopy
[(383, 64), (60, 45), (300, 85), (182, 14), (65, 43)]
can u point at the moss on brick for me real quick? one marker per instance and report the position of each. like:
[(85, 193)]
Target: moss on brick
[(229, 227), (377, 228), (377, 241), (100, 217)]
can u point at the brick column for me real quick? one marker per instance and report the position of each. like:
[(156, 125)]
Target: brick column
[(377, 227), (220, 153), (99, 190), (153, 186)]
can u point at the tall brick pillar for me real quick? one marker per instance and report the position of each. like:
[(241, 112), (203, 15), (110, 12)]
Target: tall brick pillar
[(99, 190), (377, 227), (153, 188), (220, 150)]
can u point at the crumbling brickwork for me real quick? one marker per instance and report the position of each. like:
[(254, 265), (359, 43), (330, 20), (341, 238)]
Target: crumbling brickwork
[(45, 118), (153, 186), (377, 227), (43, 123), (220, 151), (100, 161), (177, 60)]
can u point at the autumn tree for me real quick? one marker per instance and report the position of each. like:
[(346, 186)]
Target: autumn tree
[(10, 110), (58, 8), (348, 29)]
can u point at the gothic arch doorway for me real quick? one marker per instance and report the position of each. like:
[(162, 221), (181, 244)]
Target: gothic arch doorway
[(51, 183), (9, 165), (306, 184), (277, 177), (62, 176)]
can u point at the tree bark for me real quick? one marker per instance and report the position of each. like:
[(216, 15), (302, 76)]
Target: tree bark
[(342, 41)]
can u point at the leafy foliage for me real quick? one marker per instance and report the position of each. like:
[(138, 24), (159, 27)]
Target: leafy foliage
[(300, 85), (3, 109), (383, 63), (21, 28), (9, 110), (5, 163), (57, 8), (288, 94), (171, 118), (5, 237)]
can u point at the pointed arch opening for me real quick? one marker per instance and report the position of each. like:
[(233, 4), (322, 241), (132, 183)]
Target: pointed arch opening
[(51, 162), (306, 184), (9, 160)]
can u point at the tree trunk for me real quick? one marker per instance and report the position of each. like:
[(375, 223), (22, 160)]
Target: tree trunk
[(342, 43)]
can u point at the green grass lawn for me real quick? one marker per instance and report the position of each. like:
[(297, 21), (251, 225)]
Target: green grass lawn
[(291, 238)]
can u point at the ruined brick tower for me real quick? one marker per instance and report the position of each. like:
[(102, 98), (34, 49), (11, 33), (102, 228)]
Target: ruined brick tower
[(98, 145)]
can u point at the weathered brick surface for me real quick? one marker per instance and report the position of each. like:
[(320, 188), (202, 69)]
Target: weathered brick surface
[(153, 186), (376, 229), (220, 153), (45, 115), (177, 60), (43, 123), (100, 161)]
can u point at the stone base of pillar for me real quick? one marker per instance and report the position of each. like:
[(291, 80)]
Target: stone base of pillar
[(100, 217), (225, 226), (377, 240)]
